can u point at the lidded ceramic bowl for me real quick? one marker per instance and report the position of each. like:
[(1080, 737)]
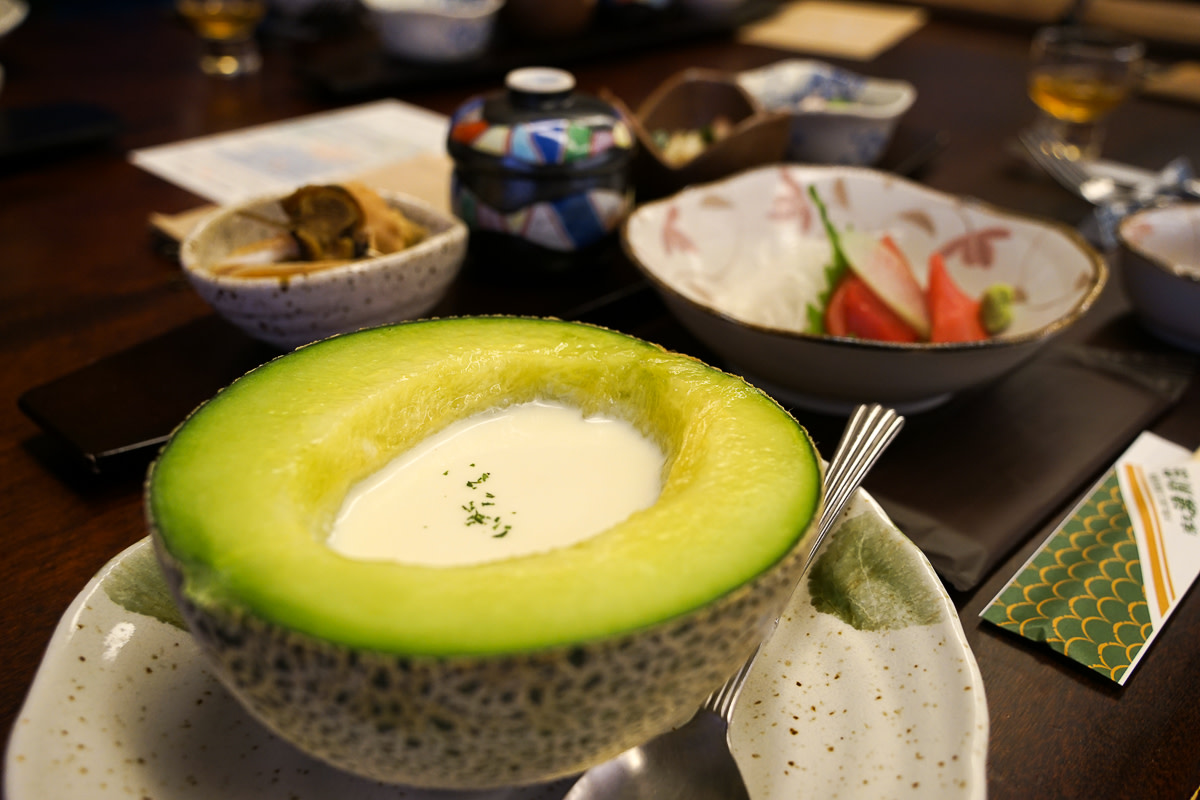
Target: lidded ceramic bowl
[(541, 166)]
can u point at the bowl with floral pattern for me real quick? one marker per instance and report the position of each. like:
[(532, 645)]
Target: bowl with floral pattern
[(830, 286)]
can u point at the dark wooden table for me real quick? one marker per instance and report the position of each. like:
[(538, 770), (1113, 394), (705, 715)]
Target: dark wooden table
[(81, 279)]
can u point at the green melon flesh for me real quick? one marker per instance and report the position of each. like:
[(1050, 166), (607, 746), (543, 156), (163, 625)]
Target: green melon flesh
[(245, 493)]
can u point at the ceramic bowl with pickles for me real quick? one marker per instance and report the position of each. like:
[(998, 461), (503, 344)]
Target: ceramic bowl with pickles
[(323, 260)]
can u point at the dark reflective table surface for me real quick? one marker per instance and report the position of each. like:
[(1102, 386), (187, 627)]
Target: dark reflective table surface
[(82, 278)]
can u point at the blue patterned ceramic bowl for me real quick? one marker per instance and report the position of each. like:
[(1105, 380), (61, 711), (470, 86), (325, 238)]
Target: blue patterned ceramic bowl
[(837, 116), (541, 164)]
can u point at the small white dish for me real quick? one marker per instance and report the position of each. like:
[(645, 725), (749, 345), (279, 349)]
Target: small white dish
[(867, 688), (837, 116), (434, 31), (123, 705), (1160, 269), (725, 258)]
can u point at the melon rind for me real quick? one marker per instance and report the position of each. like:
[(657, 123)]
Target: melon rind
[(470, 723), (599, 653)]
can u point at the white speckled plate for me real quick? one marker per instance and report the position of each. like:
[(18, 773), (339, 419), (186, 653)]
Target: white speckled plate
[(124, 706), (867, 689)]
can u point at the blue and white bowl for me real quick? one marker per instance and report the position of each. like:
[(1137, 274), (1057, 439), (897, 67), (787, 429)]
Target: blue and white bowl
[(837, 116), (434, 31)]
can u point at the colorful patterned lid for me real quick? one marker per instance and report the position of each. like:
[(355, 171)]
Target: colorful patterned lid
[(539, 123)]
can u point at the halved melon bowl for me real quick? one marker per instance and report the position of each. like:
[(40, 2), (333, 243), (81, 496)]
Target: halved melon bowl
[(504, 667), (746, 264)]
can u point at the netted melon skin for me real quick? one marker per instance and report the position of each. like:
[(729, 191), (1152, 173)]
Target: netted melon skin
[(483, 722)]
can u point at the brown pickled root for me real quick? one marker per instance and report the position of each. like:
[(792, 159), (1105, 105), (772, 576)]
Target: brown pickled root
[(387, 230), (283, 269), (327, 226), (327, 221)]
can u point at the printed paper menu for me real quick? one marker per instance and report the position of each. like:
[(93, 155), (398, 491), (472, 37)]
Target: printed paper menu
[(266, 159), (1104, 584)]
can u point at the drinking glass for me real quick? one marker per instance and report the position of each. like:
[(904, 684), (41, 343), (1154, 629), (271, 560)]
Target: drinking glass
[(1077, 77), (226, 31)]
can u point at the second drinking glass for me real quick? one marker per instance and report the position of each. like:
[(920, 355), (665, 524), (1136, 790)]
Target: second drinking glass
[(1077, 77)]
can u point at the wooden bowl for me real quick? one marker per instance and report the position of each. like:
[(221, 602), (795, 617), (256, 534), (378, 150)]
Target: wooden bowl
[(690, 100)]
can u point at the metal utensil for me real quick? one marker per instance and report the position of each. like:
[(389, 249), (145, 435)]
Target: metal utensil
[(1061, 163), (693, 762), (1051, 155)]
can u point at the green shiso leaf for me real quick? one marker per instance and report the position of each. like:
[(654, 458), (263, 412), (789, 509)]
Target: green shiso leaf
[(137, 584), (868, 577)]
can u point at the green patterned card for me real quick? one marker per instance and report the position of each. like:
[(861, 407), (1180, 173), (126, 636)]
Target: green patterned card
[(1083, 593)]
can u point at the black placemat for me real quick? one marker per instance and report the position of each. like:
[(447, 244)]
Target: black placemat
[(1021, 448), (1009, 455)]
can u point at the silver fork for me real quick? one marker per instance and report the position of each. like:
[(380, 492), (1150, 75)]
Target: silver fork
[(1057, 159), (694, 762), (869, 432)]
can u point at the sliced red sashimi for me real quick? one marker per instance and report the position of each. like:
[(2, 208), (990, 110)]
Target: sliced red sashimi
[(868, 317), (835, 312), (953, 314), (884, 268)]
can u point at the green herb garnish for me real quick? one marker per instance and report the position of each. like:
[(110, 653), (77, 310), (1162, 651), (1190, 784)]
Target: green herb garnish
[(476, 515), (834, 272)]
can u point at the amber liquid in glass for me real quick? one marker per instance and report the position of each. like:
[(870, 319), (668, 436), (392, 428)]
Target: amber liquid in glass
[(1078, 94), (222, 20)]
